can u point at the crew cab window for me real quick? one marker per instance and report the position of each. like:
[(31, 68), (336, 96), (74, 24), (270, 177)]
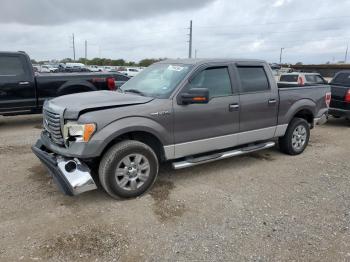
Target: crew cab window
[(253, 79), (216, 79), (11, 66)]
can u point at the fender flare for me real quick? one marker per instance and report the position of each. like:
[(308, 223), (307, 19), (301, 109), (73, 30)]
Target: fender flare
[(302, 104), (131, 124), (72, 83)]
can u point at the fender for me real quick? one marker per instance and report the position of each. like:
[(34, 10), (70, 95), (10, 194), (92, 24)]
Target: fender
[(83, 83), (302, 104), (131, 124)]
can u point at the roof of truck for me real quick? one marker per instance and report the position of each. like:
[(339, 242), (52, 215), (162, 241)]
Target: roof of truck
[(12, 52), (300, 73), (196, 61)]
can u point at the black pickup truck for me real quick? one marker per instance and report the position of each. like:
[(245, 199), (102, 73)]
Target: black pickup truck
[(23, 92), (340, 103)]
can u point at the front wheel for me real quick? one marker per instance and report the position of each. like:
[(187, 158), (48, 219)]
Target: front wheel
[(296, 138), (128, 169)]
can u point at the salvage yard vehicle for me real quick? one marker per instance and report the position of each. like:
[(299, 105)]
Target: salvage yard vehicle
[(24, 92), (340, 103), (187, 111), (128, 71), (301, 79)]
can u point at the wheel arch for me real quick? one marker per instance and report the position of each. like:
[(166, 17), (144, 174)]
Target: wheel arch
[(84, 86), (302, 109), (134, 128)]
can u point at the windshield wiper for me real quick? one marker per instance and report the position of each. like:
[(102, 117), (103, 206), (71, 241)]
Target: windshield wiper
[(134, 91)]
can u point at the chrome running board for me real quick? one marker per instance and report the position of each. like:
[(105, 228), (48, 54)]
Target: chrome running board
[(222, 155)]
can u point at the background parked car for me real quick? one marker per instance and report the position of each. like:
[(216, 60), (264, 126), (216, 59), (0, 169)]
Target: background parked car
[(48, 69), (22, 91), (109, 69), (76, 67), (94, 68), (301, 79), (128, 71)]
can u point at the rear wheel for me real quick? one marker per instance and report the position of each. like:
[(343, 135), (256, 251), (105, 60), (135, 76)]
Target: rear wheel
[(128, 169), (296, 138)]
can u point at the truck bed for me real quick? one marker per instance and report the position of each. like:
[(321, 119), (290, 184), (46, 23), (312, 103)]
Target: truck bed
[(314, 96)]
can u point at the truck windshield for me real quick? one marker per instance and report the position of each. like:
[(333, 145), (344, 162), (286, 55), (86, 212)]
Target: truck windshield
[(158, 80)]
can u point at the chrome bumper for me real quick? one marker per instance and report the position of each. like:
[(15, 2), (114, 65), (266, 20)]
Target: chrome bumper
[(321, 120), (71, 175)]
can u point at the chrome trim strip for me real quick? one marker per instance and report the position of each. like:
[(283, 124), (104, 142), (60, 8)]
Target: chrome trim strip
[(222, 142), (205, 145), (256, 135)]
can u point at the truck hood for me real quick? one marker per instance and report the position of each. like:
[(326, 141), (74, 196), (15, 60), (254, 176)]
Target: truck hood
[(76, 104)]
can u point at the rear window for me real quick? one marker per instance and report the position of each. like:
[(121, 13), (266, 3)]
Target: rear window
[(11, 66), (253, 79), (310, 78), (342, 79), (121, 78), (289, 78)]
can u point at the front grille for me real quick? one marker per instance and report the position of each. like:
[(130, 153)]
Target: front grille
[(52, 124)]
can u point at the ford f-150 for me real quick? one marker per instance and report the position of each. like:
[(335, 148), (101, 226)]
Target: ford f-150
[(188, 112)]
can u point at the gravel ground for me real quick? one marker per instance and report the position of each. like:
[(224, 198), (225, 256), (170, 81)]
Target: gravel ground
[(265, 206)]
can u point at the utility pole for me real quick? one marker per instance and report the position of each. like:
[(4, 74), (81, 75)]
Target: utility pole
[(282, 48), (85, 51), (346, 54), (73, 48), (190, 41)]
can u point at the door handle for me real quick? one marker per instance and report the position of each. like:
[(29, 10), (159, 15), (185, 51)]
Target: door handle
[(23, 83), (233, 107), (272, 101)]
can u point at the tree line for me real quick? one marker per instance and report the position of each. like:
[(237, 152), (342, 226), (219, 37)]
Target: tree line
[(105, 61)]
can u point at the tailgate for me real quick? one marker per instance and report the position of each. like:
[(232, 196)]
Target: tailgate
[(338, 97)]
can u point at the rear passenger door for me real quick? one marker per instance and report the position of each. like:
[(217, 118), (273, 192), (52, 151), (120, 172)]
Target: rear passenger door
[(258, 101)]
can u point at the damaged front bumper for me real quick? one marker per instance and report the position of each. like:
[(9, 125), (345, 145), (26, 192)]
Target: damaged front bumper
[(71, 175)]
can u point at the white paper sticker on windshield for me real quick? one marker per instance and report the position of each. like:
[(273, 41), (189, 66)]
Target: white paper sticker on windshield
[(175, 68)]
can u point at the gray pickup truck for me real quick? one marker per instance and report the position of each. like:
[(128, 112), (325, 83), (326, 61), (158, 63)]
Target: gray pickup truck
[(188, 112)]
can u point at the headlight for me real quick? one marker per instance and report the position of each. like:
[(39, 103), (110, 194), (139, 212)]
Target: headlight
[(78, 132)]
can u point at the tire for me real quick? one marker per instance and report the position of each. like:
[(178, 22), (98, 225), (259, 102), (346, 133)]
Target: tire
[(294, 142), (125, 164)]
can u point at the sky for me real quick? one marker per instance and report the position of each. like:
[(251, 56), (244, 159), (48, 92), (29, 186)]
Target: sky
[(312, 31)]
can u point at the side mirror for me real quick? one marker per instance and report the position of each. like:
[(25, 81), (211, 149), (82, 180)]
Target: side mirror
[(195, 96)]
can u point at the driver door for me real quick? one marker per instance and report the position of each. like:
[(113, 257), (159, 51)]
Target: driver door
[(200, 128)]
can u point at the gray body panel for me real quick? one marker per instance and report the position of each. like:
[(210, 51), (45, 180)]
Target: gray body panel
[(186, 130)]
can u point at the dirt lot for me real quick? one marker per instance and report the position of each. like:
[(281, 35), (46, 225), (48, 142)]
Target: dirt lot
[(260, 207)]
